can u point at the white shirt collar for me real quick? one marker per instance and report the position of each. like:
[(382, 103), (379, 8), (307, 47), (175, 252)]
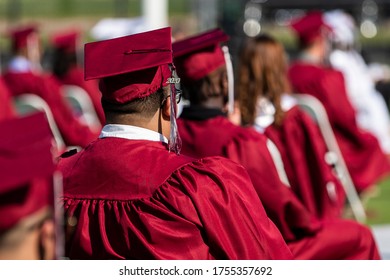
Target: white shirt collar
[(265, 114), (266, 111), (131, 132), (20, 64)]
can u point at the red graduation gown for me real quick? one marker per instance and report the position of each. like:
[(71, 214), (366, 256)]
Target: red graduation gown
[(135, 200), (75, 76), (307, 236), (303, 150), (365, 160), (6, 108), (46, 86)]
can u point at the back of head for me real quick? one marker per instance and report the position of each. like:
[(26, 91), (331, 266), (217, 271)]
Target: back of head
[(309, 28), (196, 58), (64, 47), (26, 188), (343, 28), (262, 72), (23, 37), (25, 42), (135, 75)]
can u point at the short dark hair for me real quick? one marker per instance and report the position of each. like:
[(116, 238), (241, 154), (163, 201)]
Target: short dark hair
[(144, 107), (193, 91)]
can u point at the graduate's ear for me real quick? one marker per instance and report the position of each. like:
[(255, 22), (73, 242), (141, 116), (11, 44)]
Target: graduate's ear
[(47, 240), (166, 109)]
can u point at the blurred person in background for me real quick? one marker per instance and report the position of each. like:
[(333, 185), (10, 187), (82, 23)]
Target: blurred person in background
[(267, 105), (371, 110), (310, 74), (66, 66), (27, 218), (24, 74), (206, 131), (133, 196)]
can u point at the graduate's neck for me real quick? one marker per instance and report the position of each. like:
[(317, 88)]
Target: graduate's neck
[(157, 122)]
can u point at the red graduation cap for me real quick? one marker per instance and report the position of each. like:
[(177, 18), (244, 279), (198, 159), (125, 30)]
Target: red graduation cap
[(20, 35), (197, 56), (66, 40), (130, 67), (310, 26), (26, 164)]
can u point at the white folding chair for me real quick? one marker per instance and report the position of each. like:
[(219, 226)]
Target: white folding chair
[(82, 104), (334, 157), (277, 159), (28, 103)]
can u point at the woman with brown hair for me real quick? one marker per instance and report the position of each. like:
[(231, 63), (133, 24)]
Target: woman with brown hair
[(266, 105)]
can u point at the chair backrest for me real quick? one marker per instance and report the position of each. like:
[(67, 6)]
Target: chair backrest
[(28, 103), (277, 159), (334, 157), (81, 104)]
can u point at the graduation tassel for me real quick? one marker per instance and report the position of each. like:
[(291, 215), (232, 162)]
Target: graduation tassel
[(174, 137)]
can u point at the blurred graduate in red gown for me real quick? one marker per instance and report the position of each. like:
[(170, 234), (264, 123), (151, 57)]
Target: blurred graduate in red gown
[(133, 195), (310, 74), (24, 74), (206, 131), (66, 66), (266, 105), (27, 195)]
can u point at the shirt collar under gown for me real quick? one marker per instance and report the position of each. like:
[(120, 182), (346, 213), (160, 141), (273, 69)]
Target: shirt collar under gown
[(131, 132), (266, 111)]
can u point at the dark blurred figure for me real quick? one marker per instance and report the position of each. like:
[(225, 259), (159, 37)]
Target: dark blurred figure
[(310, 74), (27, 218), (66, 66)]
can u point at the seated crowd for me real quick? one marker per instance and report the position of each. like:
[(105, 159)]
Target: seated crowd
[(144, 182)]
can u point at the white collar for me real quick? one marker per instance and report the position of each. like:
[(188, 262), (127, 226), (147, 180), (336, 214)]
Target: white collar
[(131, 132), (20, 64), (266, 111), (265, 114)]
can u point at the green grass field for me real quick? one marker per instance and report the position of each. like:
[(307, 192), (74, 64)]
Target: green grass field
[(378, 207)]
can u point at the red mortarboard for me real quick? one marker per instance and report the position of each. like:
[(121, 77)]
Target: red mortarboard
[(310, 26), (66, 40), (130, 67), (197, 56), (26, 164), (19, 36)]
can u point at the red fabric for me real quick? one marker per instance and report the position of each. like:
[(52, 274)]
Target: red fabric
[(345, 240), (6, 107), (365, 160), (197, 56), (25, 149), (47, 87), (26, 164), (142, 202), (219, 137), (124, 88), (75, 76), (303, 150), (66, 40), (310, 26), (307, 236), (19, 36), (128, 54)]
